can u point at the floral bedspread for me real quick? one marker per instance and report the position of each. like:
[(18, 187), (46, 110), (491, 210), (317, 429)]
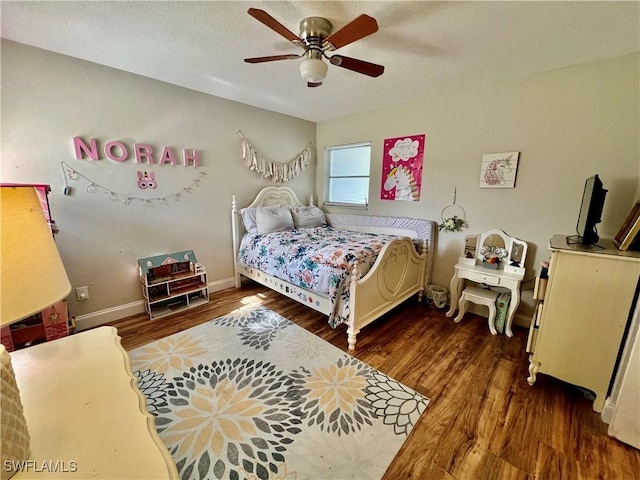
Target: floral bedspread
[(318, 259)]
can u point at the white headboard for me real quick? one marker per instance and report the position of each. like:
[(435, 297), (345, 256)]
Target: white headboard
[(267, 196), (275, 196)]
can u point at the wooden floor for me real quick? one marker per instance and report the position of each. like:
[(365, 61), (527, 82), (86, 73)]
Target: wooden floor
[(483, 422)]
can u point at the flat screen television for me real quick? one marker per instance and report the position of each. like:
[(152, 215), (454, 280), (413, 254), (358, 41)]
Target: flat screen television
[(591, 210)]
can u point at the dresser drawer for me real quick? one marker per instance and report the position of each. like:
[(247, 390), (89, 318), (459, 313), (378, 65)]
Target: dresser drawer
[(482, 277)]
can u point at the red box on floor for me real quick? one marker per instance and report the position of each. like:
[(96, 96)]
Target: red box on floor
[(49, 324)]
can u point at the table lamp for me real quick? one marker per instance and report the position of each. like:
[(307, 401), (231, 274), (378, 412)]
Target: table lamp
[(32, 277)]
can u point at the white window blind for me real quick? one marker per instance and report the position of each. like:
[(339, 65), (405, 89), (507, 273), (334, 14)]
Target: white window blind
[(347, 174)]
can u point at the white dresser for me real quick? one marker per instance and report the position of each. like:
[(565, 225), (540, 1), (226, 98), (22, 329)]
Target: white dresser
[(585, 312), (86, 417)]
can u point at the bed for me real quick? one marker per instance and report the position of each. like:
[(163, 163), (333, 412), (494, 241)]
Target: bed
[(352, 268)]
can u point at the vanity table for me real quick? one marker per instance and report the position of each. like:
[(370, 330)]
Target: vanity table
[(86, 417), (494, 278), (509, 274)]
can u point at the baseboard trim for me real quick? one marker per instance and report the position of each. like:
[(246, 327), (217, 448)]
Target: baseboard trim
[(519, 319), (522, 320), (95, 319)]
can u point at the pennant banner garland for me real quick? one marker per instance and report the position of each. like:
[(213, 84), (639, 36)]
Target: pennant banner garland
[(278, 172), (144, 182)]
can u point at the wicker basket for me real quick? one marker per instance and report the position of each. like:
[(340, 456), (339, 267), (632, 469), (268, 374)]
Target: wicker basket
[(439, 295)]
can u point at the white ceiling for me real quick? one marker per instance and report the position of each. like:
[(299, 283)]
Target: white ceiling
[(425, 46)]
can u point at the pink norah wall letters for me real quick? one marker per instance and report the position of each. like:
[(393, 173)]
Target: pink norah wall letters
[(118, 152)]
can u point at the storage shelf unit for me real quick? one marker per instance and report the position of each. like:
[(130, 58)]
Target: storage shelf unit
[(172, 282)]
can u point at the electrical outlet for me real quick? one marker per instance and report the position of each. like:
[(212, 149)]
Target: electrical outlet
[(82, 294)]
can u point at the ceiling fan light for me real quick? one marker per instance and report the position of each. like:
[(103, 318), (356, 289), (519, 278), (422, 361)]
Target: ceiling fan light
[(313, 70)]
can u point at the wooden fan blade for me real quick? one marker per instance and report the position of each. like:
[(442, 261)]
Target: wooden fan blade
[(314, 84), (271, 58), (355, 30), (360, 66), (274, 25)]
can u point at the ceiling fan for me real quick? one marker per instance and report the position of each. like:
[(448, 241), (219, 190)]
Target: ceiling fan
[(316, 38)]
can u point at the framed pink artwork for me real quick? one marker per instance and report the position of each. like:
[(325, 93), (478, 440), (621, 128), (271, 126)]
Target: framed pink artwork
[(402, 168)]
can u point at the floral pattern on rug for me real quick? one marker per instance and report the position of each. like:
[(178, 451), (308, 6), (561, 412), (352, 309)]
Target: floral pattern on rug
[(236, 410), (154, 386), (175, 351), (333, 397), (396, 404), (257, 330), (252, 395)]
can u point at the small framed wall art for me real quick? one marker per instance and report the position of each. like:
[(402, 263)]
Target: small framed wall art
[(629, 230), (498, 170)]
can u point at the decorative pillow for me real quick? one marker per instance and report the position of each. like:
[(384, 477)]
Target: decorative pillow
[(304, 217), (249, 219), (273, 219)]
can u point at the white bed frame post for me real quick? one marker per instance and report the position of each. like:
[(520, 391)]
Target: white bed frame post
[(236, 238), (425, 252), (352, 328)]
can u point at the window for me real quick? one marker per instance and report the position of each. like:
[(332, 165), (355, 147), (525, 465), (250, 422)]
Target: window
[(347, 174)]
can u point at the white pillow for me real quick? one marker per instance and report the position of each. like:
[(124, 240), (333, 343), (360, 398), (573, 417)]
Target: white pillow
[(249, 219), (273, 219), (305, 217)]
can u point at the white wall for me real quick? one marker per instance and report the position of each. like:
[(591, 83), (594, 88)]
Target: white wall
[(567, 125), (47, 99)]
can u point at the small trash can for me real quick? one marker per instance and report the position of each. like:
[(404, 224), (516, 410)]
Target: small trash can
[(438, 295)]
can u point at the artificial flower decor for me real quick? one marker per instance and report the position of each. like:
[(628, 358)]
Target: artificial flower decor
[(492, 254), (452, 224)]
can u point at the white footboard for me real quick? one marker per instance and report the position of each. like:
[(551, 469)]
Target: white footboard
[(399, 273)]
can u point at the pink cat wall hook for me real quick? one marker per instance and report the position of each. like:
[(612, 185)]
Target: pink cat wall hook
[(147, 180)]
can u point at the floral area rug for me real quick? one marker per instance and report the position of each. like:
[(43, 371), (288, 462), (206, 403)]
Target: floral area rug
[(253, 395)]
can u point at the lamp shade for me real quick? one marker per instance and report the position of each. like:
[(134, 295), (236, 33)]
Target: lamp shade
[(32, 275), (313, 70)]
